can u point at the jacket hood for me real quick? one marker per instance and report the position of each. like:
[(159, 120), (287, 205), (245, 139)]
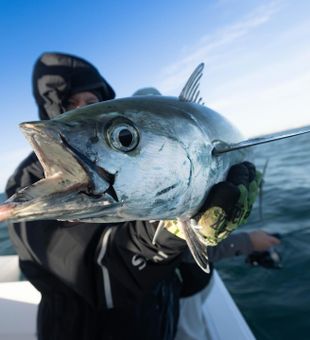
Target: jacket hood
[(56, 76)]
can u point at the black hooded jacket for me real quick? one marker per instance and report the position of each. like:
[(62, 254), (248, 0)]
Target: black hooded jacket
[(100, 281), (97, 281)]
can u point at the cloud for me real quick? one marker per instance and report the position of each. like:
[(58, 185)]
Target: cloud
[(258, 70), (209, 45), (281, 107), (271, 98)]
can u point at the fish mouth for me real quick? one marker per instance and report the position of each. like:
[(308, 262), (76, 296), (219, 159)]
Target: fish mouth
[(73, 188)]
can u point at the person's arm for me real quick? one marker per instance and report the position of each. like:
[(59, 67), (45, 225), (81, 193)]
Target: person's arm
[(131, 265), (234, 245), (262, 241), (243, 243)]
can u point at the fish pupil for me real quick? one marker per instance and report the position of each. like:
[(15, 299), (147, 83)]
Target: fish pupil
[(125, 137)]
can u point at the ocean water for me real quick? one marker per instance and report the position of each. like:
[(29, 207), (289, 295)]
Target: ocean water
[(275, 303)]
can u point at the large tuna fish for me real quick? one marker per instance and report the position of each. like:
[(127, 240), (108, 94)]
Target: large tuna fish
[(138, 158)]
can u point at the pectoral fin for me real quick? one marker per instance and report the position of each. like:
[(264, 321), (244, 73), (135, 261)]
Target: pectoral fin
[(197, 248)]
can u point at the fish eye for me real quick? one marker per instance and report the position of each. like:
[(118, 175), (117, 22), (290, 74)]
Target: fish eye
[(123, 137)]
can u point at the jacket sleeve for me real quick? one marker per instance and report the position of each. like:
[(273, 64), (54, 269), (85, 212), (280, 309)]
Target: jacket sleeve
[(234, 245), (131, 266)]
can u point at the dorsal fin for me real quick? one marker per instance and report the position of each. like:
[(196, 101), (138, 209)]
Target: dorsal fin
[(190, 92), (221, 148)]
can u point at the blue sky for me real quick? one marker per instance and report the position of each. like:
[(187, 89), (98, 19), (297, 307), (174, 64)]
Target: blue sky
[(257, 56)]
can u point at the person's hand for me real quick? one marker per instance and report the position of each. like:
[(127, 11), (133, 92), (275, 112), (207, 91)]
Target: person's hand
[(262, 241), (227, 206), (229, 203)]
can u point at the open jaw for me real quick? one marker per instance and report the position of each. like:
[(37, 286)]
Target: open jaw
[(74, 188)]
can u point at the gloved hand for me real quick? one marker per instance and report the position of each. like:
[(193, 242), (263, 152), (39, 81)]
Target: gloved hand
[(227, 206)]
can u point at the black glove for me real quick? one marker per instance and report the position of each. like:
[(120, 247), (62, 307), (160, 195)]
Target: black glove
[(229, 203), (227, 206)]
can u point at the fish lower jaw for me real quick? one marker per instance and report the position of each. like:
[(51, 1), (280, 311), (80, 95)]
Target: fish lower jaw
[(70, 204), (55, 184)]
